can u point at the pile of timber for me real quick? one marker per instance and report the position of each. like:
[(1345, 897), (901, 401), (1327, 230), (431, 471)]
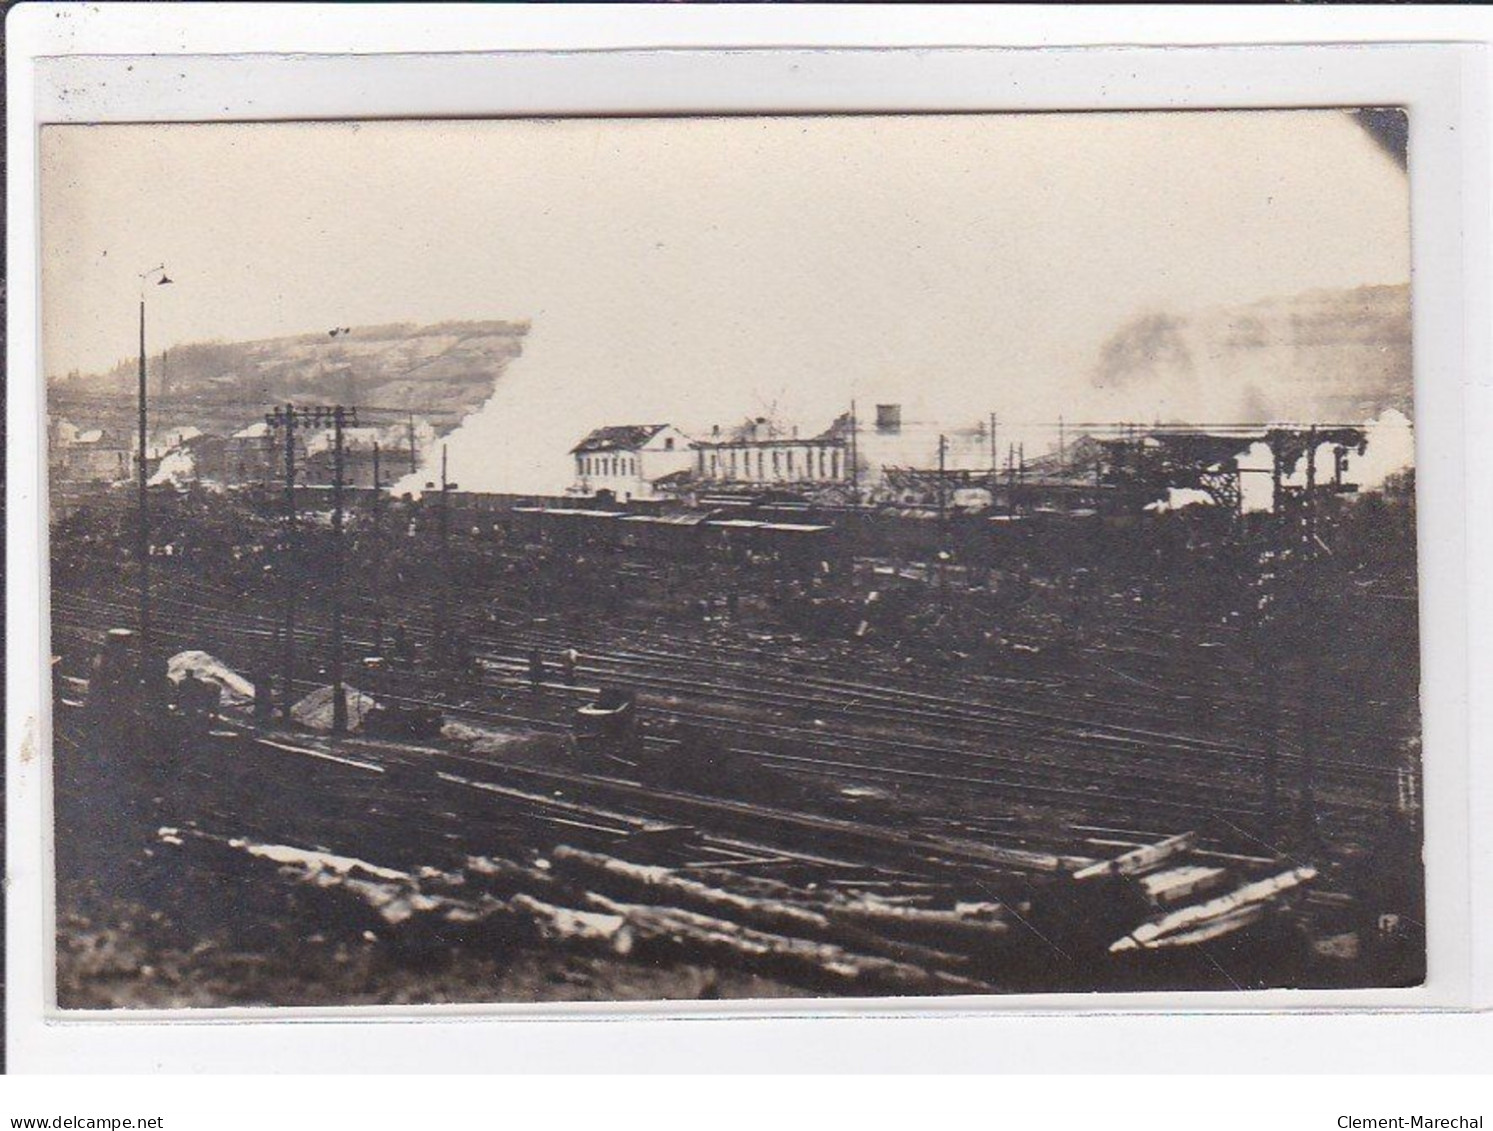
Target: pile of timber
[(937, 938), (819, 938), (1203, 922), (418, 913), (1164, 876), (592, 903)]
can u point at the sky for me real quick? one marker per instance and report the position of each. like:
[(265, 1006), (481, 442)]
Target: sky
[(703, 270)]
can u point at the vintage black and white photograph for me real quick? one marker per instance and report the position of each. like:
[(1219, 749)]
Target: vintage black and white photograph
[(675, 559)]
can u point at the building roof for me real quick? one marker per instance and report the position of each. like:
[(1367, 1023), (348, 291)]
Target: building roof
[(353, 440), (838, 430), (775, 442), (762, 432), (569, 512), (618, 438)]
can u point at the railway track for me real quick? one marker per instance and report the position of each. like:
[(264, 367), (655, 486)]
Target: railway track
[(820, 698), (863, 701), (836, 761), (1233, 688), (1163, 688), (917, 705), (598, 810), (815, 753)]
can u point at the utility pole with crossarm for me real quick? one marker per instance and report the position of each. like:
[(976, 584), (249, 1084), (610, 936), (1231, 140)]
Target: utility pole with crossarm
[(290, 419)]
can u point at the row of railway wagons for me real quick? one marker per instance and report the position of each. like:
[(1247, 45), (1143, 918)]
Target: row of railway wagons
[(801, 545), (803, 535)]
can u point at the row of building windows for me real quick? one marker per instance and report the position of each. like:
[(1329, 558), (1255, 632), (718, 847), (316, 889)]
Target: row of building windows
[(779, 462), (608, 465), (806, 461)]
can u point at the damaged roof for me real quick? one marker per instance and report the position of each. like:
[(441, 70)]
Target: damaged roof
[(618, 437)]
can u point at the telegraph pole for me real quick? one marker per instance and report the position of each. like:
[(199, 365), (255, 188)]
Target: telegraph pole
[(378, 551), (445, 521), (1277, 484), (453, 655), (1272, 742), (1021, 465), (289, 418), (1311, 639), (855, 462), (995, 470), (339, 692), (943, 514), (443, 612), (286, 418), (1263, 617), (1311, 493), (943, 451), (1011, 480), (1264, 652), (413, 465)]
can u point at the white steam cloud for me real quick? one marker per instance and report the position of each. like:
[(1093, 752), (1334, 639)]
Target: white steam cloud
[(1390, 448)]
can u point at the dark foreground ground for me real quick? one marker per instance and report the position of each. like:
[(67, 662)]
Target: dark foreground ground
[(281, 868)]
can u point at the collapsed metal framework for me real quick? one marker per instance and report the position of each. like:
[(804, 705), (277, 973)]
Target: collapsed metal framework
[(1150, 465), (1141, 467)]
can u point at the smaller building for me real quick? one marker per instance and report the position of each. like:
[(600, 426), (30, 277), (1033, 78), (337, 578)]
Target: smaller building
[(629, 460), (200, 457), (365, 451), (163, 440), (93, 455), (254, 455)]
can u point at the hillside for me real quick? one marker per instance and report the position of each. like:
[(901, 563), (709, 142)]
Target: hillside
[(442, 372)]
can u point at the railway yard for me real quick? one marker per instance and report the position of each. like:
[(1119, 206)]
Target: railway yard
[(599, 768)]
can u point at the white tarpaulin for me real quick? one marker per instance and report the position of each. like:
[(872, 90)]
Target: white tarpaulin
[(176, 468), (315, 711), (233, 689)]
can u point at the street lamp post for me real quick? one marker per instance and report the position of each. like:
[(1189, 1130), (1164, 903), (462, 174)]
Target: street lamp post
[(142, 524)]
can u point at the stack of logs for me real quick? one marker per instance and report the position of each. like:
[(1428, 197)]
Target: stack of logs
[(587, 902)]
